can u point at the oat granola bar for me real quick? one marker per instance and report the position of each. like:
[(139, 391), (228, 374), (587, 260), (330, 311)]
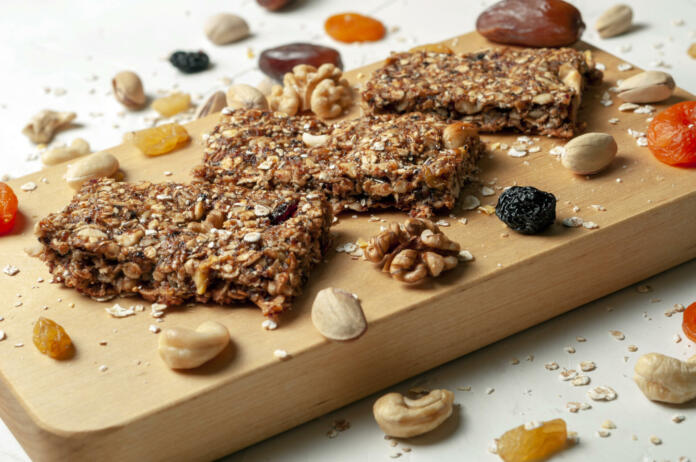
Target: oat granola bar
[(532, 90), (413, 162), (172, 243)]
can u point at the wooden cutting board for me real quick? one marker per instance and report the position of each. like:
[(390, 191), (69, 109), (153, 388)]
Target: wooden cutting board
[(138, 409)]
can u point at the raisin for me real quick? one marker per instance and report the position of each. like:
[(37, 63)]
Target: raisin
[(160, 140), (173, 104), (276, 62), (526, 209), (51, 339), (189, 62), (689, 322), (524, 444), (283, 211), (273, 5), (672, 135), (8, 208), (354, 27)]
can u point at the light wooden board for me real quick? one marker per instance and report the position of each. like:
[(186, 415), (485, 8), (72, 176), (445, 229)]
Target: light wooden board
[(140, 410)]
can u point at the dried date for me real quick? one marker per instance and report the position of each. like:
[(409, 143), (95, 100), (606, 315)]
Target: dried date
[(276, 62)]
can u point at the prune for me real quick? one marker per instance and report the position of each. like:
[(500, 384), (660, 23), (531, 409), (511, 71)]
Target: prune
[(189, 62), (275, 62), (354, 27), (283, 211), (8, 208), (672, 135), (273, 5), (526, 209), (532, 23)]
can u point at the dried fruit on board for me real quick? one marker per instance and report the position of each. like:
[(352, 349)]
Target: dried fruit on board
[(276, 62), (189, 62), (532, 23), (160, 140), (51, 339), (354, 27), (173, 104), (689, 322), (8, 208), (533, 441), (273, 5), (526, 209), (672, 135)]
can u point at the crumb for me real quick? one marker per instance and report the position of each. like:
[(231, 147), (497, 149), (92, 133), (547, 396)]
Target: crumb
[(603, 433), (608, 424), (655, 440), (154, 329), (30, 186), (678, 418), (617, 334), (10, 270), (569, 349), (269, 324), (580, 339), (490, 390), (281, 354), (632, 348)]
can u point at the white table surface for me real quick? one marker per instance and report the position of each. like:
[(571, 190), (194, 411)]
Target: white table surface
[(62, 55)]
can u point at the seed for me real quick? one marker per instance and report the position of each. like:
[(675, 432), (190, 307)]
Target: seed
[(128, 89), (616, 20), (224, 28)]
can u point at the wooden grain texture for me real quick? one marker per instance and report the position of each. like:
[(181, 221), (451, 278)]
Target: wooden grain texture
[(138, 409)]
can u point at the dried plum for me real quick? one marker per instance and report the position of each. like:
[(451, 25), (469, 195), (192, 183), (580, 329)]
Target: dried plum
[(526, 209), (189, 62)]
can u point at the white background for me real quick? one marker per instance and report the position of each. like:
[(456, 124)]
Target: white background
[(62, 55)]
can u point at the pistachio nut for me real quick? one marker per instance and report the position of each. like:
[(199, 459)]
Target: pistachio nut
[(647, 87), (241, 96), (128, 89), (589, 153), (615, 21), (216, 102), (224, 28)]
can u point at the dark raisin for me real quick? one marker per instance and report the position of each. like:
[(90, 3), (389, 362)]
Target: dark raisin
[(526, 209), (273, 5), (189, 61), (283, 211)]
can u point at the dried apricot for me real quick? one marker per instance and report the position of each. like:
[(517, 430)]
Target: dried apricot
[(171, 105), (51, 339), (354, 27), (8, 208), (689, 322), (534, 441), (160, 140), (672, 135)]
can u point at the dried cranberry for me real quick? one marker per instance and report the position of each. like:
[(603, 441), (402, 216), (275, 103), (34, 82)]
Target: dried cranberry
[(275, 62), (283, 211)]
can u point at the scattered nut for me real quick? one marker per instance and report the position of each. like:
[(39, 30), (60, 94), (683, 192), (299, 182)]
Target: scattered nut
[(401, 417), (93, 166), (242, 96), (455, 134), (128, 89), (224, 28), (337, 314), (314, 140), (60, 154), (589, 153), (666, 379), (216, 102), (647, 87), (44, 125), (615, 21), (183, 348)]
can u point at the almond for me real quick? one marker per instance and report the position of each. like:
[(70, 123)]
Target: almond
[(589, 153)]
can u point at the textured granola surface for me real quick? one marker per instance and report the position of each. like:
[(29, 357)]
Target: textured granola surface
[(173, 243), (535, 91), (413, 162)]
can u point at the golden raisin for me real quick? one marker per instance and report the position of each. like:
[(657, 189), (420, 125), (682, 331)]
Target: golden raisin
[(433, 48), (354, 27), (522, 445), (8, 208), (168, 106), (692, 50), (160, 140), (50, 339)]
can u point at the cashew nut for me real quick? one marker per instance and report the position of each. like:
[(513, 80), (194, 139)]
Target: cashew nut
[(182, 348), (402, 417), (666, 379)]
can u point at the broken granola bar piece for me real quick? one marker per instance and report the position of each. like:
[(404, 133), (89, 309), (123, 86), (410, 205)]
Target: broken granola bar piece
[(413, 162), (533, 91), (172, 243)]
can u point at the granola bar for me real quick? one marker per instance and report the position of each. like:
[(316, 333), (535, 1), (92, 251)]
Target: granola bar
[(172, 243), (414, 162), (532, 90)]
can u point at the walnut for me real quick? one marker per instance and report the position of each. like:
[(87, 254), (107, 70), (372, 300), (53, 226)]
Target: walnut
[(307, 88), (412, 251)]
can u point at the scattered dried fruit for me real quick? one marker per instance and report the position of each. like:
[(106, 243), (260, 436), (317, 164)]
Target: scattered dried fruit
[(692, 50), (689, 322), (615, 21), (44, 125), (79, 147), (273, 5), (160, 140), (224, 28), (337, 314), (128, 89), (589, 153), (189, 62), (403, 417), (533, 442), (533, 23), (97, 165), (276, 62), (526, 209), (647, 87), (666, 379), (216, 102), (354, 27), (8, 208), (672, 135), (171, 105), (51, 339), (182, 348), (241, 96)]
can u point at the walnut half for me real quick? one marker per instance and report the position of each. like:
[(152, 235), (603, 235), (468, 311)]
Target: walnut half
[(321, 91)]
